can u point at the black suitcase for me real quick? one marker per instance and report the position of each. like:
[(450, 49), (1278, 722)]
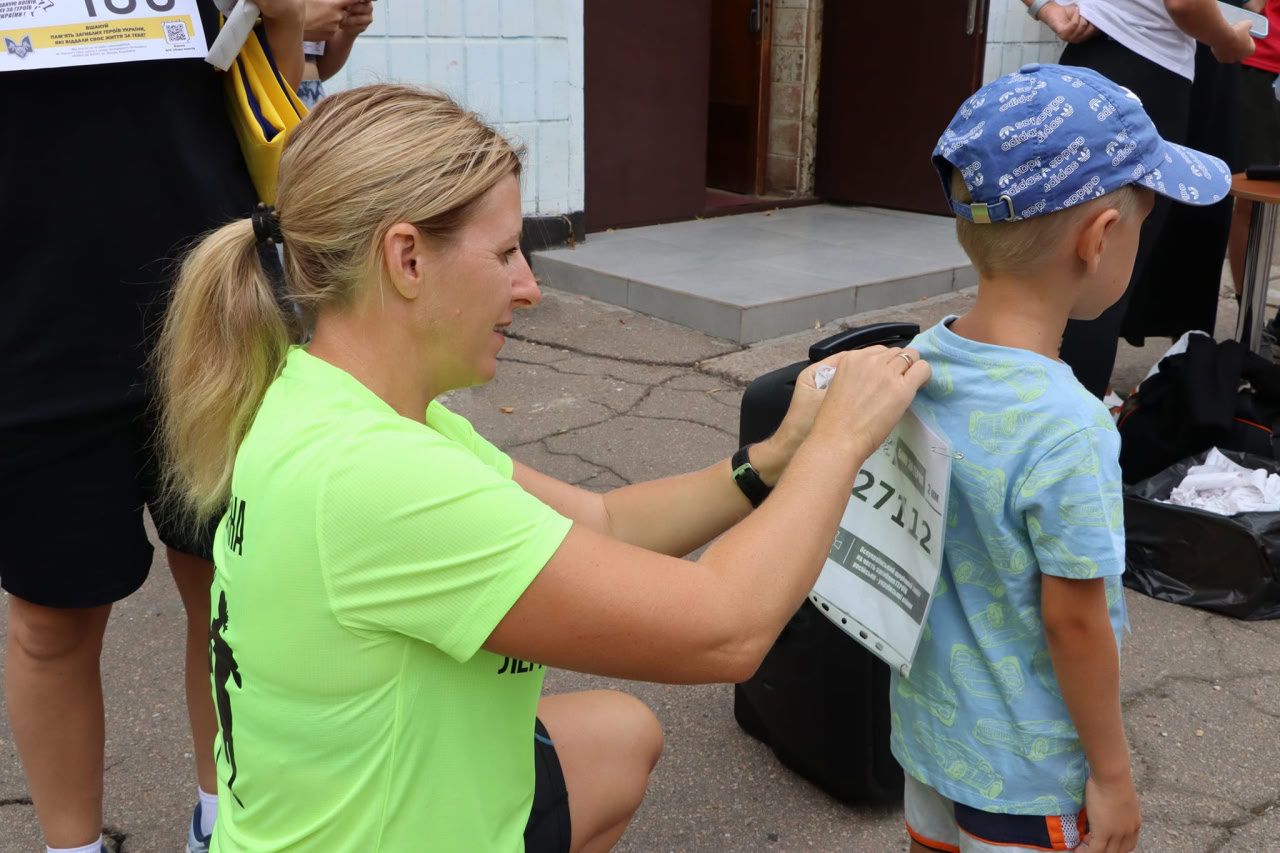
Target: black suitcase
[(819, 699)]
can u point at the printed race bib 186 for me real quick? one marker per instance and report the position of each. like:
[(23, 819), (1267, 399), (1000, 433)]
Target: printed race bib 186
[(61, 33), (878, 580)]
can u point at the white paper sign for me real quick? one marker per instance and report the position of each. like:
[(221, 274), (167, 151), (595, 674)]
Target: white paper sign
[(61, 33), (878, 581)]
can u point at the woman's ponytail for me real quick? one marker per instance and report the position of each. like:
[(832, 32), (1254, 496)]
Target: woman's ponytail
[(224, 339)]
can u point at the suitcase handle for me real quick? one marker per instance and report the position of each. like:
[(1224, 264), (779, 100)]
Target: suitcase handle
[(887, 334)]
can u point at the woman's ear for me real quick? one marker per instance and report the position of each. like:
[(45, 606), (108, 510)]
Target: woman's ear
[(1093, 237), (403, 247)]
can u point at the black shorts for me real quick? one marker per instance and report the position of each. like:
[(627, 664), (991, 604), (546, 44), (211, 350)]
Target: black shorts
[(71, 509), (548, 829), (1259, 118)]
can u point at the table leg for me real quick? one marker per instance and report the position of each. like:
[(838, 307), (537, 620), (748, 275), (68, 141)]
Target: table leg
[(1257, 274)]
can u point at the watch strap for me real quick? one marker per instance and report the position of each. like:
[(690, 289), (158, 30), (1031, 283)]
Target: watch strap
[(748, 478)]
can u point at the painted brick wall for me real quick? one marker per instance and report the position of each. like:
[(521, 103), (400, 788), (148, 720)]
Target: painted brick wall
[(1013, 40), (516, 62), (793, 96)]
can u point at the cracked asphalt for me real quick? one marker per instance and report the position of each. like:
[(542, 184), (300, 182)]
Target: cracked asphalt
[(602, 396)]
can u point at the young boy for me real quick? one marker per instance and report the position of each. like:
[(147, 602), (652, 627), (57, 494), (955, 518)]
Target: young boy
[(1009, 724)]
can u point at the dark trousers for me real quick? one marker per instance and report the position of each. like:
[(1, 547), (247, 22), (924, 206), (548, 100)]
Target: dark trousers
[(1089, 346)]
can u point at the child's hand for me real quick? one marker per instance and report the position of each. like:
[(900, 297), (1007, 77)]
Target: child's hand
[(1114, 819)]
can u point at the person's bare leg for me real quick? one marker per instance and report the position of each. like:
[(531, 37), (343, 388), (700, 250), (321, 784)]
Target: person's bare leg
[(193, 577), (607, 743), (1238, 242), (53, 686)]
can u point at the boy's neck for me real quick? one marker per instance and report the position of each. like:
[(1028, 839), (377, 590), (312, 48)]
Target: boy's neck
[(1017, 313)]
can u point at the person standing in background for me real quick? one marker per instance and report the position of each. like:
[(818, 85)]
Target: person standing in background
[(1259, 135), (1147, 46), (88, 273), (1178, 290), (331, 31)]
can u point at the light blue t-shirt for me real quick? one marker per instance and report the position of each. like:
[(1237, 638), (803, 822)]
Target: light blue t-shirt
[(981, 719)]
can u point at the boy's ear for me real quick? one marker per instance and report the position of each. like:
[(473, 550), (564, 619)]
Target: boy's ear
[(1092, 239)]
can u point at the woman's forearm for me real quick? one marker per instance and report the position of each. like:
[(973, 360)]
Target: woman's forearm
[(284, 36), (677, 515), (782, 546), (336, 51)]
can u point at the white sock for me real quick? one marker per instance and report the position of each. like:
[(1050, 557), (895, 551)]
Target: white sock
[(95, 847), (208, 810)]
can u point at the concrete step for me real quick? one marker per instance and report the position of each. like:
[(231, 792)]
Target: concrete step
[(755, 276)]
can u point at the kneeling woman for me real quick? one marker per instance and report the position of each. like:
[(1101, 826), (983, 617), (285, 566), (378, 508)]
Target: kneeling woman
[(380, 565)]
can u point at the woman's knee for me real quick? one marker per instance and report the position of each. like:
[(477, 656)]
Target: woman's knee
[(634, 728), (645, 730), (605, 726), (54, 634)]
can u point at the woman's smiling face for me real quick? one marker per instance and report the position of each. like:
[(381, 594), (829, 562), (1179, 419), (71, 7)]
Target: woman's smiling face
[(480, 278)]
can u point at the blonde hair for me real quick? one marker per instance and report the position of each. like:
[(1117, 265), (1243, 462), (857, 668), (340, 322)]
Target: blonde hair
[(362, 161), (1019, 248)]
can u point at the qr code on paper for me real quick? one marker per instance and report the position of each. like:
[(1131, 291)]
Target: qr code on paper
[(175, 32)]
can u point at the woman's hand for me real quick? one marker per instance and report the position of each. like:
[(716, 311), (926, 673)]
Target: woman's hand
[(885, 381), (357, 18), (1067, 23), (870, 390), (281, 10), (770, 457), (1238, 44), (323, 19)]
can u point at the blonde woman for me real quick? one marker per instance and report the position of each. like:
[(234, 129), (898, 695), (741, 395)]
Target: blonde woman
[(389, 586)]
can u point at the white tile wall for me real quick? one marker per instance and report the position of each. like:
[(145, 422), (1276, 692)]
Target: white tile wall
[(516, 62), (1014, 39)]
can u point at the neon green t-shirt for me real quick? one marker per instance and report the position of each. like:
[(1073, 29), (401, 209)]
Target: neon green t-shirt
[(363, 560)]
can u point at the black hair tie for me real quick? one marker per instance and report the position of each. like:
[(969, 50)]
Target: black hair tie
[(266, 225)]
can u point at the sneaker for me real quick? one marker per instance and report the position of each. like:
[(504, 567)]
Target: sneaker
[(197, 843)]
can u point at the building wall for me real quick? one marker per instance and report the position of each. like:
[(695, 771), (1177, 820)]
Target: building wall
[(519, 64), (516, 62), (1013, 40), (793, 96)]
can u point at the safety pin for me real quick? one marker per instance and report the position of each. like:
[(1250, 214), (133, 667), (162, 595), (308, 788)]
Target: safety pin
[(942, 451)]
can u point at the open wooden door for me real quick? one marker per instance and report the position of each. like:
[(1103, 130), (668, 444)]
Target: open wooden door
[(738, 108), (881, 107)]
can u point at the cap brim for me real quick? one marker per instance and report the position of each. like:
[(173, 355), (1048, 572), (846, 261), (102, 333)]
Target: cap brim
[(1188, 176)]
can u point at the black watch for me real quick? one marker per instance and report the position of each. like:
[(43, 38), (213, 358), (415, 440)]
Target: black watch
[(748, 478)]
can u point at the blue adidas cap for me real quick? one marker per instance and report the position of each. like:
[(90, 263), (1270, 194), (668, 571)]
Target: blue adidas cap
[(1052, 136)]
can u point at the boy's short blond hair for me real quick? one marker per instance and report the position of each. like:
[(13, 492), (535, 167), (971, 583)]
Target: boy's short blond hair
[(1018, 248)]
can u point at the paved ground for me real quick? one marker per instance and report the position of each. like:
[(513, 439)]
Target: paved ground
[(601, 396)]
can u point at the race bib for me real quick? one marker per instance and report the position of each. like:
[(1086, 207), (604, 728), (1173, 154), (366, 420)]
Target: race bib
[(63, 33), (878, 581)]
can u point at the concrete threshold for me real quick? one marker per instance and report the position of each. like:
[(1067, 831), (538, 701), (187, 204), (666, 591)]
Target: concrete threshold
[(755, 276)]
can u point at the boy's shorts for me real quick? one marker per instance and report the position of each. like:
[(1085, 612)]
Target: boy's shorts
[(939, 824)]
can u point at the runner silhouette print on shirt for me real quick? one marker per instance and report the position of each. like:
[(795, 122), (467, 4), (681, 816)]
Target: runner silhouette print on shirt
[(223, 663)]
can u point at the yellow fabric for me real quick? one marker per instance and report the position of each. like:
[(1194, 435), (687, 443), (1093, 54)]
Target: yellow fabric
[(276, 102)]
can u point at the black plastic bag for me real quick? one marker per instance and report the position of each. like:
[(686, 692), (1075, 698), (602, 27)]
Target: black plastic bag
[(1225, 563), (1212, 395)]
